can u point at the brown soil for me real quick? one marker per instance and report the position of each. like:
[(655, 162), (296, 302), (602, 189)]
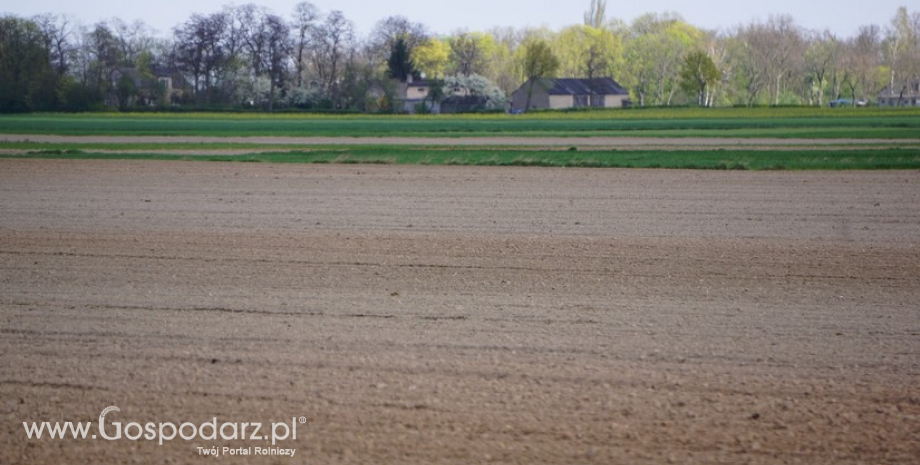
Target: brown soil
[(428, 315)]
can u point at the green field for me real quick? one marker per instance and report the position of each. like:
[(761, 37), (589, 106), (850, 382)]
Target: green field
[(808, 123), (396, 155), (851, 138)]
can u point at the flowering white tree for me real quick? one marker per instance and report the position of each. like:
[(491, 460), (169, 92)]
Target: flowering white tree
[(476, 85), (304, 96)]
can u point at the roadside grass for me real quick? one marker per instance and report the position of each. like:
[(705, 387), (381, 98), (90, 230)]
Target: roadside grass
[(853, 159), (807, 123)]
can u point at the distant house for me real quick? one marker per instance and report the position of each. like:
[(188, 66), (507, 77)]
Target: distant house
[(133, 87), (414, 92), (174, 84), (557, 94), (900, 96), (471, 94)]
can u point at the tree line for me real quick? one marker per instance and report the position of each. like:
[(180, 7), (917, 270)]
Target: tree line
[(251, 57)]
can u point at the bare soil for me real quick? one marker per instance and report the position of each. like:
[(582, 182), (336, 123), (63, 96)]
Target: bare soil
[(454, 315)]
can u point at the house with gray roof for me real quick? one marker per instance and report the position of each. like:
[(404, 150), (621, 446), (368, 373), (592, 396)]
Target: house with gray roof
[(146, 87), (900, 96), (562, 93), (414, 92)]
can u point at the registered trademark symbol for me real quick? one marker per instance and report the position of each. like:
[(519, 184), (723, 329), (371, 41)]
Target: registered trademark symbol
[(302, 420)]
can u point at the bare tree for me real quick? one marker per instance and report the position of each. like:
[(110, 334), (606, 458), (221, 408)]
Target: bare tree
[(254, 33), (58, 34), (775, 49), (902, 51), (135, 39), (276, 52), (596, 16), (859, 64), (821, 57), (390, 30), (200, 51), (105, 56), (747, 66), (234, 28), (784, 52), (333, 43), (304, 22)]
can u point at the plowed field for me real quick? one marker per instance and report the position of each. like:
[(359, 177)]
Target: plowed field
[(429, 315)]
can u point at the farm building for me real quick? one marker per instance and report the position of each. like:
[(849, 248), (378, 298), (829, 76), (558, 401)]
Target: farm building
[(900, 96), (174, 85), (413, 93), (557, 94), (158, 85)]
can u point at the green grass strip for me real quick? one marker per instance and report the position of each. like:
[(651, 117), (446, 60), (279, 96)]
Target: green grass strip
[(855, 159), (746, 123)]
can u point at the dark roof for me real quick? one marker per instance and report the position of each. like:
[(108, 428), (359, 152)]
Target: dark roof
[(419, 83), (912, 90), (569, 86), (178, 80), (163, 71)]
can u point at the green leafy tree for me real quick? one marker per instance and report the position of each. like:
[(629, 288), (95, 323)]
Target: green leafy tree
[(640, 73), (539, 62), (400, 64), (586, 51), (27, 80), (698, 75), (125, 92), (503, 67), (747, 79), (431, 57), (821, 56), (469, 52), (654, 51)]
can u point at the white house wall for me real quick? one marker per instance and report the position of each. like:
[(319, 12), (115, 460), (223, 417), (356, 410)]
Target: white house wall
[(615, 101), (559, 102)]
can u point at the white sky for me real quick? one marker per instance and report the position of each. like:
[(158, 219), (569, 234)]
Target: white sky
[(444, 16)]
